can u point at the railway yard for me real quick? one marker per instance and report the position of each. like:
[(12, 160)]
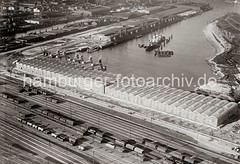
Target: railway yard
[(78, 127)]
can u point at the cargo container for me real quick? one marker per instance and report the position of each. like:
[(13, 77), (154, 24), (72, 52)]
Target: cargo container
[(130, 146), (109, 145), (139, 150)]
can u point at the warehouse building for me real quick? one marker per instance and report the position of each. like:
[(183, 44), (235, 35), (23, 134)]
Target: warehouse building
[(200, 109), (182, 104), (69, 74)]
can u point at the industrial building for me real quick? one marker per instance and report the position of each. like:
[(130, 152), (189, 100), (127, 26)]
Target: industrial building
[(176, 102), (183, 104), (70, 74)]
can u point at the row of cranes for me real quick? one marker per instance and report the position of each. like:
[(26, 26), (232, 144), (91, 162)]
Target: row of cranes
[(78, 59)]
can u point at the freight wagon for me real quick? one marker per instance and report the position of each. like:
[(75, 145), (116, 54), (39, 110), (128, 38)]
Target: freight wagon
[(177, 155), (162, 148), (150, 156), (130, 146), (97, 139), (19, 100), (139, 150), (120, 149), (158, 154), (73, 139), (109, 139), (190, 159), (63, 119), (111, 146), (70, 121), (167, 161), (45, 112), (150, 144), (120, 143), (56, 116), (100, 133)]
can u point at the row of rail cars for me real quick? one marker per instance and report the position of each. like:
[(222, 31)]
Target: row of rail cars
[(145, 148)]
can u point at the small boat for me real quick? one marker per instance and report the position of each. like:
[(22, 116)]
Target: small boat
[(141, 45), (159, 53)]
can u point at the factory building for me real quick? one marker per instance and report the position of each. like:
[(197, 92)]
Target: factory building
[(182, 104)]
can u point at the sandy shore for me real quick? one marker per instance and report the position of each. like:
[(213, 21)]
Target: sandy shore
[(215, 38), (214, 35)]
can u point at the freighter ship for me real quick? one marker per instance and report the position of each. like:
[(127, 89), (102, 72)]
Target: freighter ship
[(155, 42)]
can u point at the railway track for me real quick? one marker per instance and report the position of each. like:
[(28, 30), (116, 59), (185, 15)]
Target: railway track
[(99, 118)]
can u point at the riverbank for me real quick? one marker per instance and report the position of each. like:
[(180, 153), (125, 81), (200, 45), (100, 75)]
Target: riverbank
[(223, 35), (215, 37)]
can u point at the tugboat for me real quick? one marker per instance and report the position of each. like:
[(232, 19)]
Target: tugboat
[(159, 53), (155, 42)]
